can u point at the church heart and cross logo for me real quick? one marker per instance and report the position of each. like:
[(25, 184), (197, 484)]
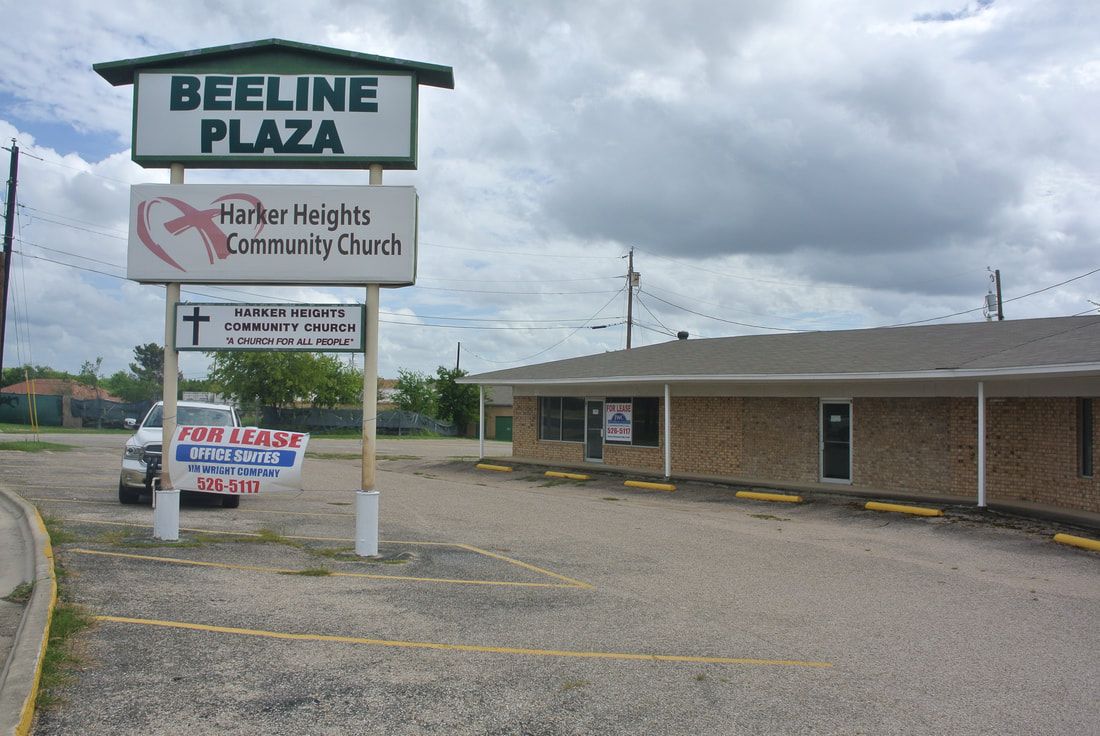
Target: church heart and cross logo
[(168, 243)]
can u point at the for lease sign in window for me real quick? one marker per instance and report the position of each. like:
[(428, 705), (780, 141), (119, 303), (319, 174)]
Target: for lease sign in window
[(617, 421)]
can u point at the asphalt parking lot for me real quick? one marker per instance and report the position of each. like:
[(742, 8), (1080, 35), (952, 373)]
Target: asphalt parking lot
[(515, 604)]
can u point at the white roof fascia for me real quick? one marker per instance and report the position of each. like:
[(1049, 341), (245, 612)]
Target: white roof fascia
[(936, 374)]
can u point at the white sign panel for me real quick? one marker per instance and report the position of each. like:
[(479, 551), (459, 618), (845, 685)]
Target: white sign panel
[(618, 423), (277, 119), (236, 460), (312, 327), (255, 234)]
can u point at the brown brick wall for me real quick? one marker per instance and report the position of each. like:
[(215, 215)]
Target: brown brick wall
[(905, 444), (781, 439), (650, 458), (902, 443), (1031, 453), (706, 435)]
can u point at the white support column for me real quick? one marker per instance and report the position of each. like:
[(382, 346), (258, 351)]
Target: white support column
[(366, 501), (668, 433), (981, 444), (481, 422), (166, 501)]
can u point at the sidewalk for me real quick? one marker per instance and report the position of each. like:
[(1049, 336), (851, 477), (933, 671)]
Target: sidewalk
[(1071, 517), (25, 556)]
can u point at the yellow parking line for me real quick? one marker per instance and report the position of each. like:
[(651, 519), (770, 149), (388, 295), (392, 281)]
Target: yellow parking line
[(573, 583), (520, 651), (288, 571)]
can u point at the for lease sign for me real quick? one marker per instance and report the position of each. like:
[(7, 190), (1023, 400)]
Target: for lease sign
[(618, 423), (236, 460), (274, 119), (207, 233)]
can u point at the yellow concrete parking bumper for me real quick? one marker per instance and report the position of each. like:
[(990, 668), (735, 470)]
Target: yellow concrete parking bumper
[(497, 468), (898, 508), (779, 497), (1082, 542), (650, 486), (570, 476)]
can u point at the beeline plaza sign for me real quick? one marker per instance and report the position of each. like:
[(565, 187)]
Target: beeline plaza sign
[(272, 234), (242, 118)]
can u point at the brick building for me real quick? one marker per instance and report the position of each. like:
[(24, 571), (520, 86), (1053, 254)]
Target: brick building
[(997, 411)]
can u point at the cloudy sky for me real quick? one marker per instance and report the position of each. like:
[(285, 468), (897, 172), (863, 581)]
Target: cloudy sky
[(776, 165)]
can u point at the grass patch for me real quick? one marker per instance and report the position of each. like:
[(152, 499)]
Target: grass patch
[(700, 677), (610, 498), (310, 572), (69, 619), (333, 455), (9, 428), (573, 685), (57, 531), (22, 593), (336, 553), (398, 457), (339, 503), (34, 446), (768, 517)]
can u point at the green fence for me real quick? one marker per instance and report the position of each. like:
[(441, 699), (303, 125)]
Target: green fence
[(15, 409)]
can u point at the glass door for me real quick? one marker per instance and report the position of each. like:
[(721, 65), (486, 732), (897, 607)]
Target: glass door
[(593, 434), (836, 441)]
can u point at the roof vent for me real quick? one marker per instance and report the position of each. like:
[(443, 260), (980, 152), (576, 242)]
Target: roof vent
[(682, 335)]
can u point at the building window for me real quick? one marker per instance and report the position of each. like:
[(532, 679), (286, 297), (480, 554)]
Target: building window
[(1084, 437), (561, 418), (645, 420)]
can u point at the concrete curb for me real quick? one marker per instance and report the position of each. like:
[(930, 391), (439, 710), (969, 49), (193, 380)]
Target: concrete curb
[(19, 678)]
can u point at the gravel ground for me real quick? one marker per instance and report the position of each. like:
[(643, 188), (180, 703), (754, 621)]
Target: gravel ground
[(967, 624)]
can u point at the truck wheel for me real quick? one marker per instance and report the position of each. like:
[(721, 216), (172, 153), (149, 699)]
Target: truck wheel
[(127, 494), (231, 501)]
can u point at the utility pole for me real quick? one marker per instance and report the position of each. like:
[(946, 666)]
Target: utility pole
[(629, 296), (1000, 305), (9, 235), (458, 356)]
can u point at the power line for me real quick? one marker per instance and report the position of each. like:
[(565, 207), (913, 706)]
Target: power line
[(559, 342), (1015, 298), (727, 321), (520, 253)]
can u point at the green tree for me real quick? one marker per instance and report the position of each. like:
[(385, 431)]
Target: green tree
[(283, 378), (21, 373), (414, 392), (148, 365), (89, 372), (339, 383), (126, 386), (457, 402)]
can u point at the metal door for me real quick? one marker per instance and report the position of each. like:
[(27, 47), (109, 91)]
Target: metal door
[(836, 441), (593, 432)]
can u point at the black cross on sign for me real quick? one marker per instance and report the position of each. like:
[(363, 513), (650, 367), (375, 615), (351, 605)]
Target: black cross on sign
[(195, 319)]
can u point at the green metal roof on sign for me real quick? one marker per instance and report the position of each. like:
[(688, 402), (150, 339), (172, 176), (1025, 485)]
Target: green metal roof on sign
[(273, 55)]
